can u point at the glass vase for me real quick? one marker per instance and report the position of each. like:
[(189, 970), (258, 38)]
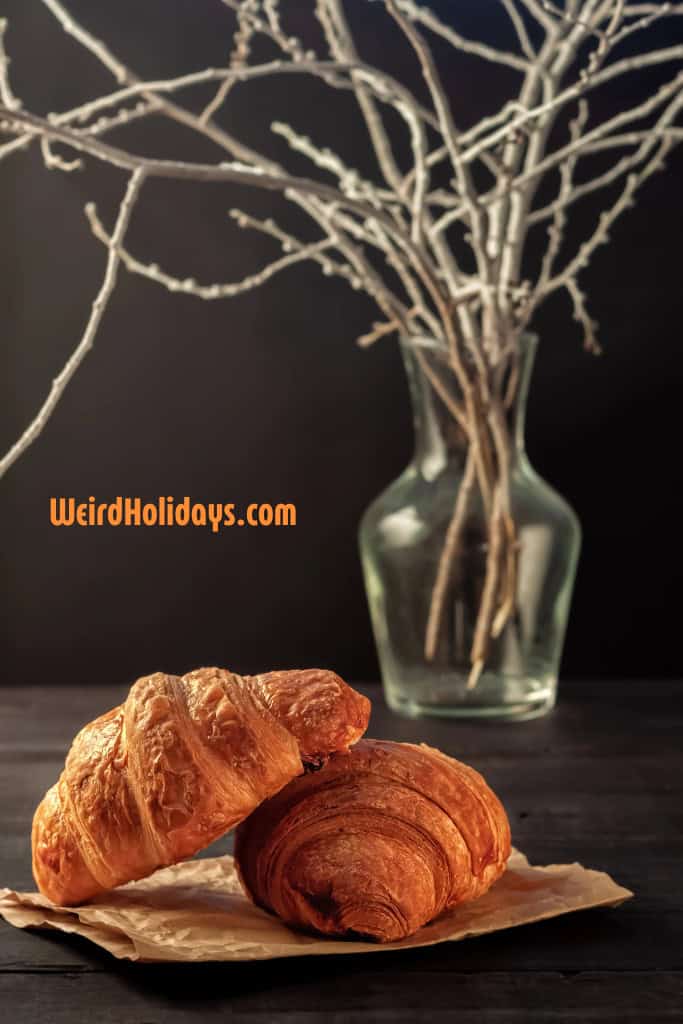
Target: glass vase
[(402, 539)]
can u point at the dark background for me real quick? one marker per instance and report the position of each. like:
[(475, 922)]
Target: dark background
[(265, 397)]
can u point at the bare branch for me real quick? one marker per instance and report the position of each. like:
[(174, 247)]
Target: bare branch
[(248, 14), (603, 130), (573, 92), (351, 182), (425, 17), (239, 56), (371, 232), (448, 560), (632, 138), (123, 74), (99, 306), (381, 84), (100, 127), (335, 26), (6, 94), (288, 43), (647, 139), (373, 284), (189, 286), (535, 8), (87, 40), (153, 92), (507, 213), (15, 145), (356, 270), (217, 135), (466, 186), (54, 162), (124, 116), (379, 331), (556, 229), (290, 243), (601, 234), (385, 86), (243, 174), (639, 10), (556, 158), (482, 634), (582, 316), (582, 20), (641, 23), (342, 229), (520, 29)]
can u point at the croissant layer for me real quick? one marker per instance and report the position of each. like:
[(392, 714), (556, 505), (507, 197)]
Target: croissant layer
[(178, 764), (377, 843)]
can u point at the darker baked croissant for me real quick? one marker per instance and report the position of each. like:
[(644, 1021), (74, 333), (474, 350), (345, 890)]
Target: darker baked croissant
[(176, 765), (376, 843)]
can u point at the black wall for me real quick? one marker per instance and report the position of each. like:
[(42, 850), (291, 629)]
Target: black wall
[(265, 397)]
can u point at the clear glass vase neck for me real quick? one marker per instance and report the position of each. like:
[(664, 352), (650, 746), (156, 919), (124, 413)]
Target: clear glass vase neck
[(439, 439)]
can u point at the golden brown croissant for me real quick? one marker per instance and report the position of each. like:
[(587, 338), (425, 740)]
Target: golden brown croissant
[(176, 765), (376, 843)]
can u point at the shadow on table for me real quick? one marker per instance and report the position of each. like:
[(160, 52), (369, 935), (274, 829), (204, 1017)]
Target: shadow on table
[(594, 940)]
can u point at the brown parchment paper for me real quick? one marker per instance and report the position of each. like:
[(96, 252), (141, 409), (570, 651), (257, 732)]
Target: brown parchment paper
[(197, 911)]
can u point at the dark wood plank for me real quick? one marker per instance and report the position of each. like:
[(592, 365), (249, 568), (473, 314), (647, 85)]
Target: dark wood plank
[(313, 993)]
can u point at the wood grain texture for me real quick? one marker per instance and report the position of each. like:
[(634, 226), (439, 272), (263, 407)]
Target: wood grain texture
[(599, 781)]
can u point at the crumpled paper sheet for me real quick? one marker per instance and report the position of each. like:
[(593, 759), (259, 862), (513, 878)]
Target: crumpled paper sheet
[(197, 911)]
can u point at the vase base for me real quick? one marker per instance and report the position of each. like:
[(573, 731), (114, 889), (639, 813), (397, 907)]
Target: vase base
[(508, 698)]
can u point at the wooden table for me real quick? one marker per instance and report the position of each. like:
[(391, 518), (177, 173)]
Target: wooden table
[(598, 781)]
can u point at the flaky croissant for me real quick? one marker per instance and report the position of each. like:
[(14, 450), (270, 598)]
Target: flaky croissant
[(376, 843), (176, 765)]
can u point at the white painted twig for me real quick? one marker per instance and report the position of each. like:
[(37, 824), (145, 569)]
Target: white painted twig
[(520, 30), (188, 285), (424, 16), (607, 218), (6, 94), (639, 10), (351, 182), (583, 317), (463, 176), (250, 16), (668, 54), (646, 139), (225, 171), (341, 45), (288, 242), (87, 40), (239, 57), (555, 158), (379, 331), (556, 228), (123, 74), (535, 8), (60, 382)]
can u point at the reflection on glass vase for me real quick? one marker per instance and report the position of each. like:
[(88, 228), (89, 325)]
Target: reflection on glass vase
[(402, 539)]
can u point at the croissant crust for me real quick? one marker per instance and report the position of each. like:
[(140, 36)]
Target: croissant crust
[(180, 762), (377, 843)]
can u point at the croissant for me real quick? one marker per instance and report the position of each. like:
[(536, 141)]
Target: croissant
[(176, 765), (375, 844)]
